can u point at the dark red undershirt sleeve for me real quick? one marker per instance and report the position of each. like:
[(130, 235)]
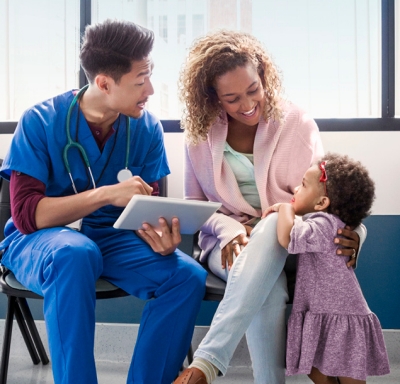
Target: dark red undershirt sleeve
[(156, 190), (26, 191), (25, 194)]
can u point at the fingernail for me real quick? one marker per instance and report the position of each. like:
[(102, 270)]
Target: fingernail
[(339, 252), (336, 241)]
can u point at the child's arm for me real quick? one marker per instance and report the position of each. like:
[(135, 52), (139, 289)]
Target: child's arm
[(285, 223)]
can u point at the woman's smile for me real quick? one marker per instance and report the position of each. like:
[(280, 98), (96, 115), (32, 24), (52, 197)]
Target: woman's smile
[(251, 112)]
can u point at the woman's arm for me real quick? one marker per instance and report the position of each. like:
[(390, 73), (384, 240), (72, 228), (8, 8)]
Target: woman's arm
[(223, 224), (361, 231)]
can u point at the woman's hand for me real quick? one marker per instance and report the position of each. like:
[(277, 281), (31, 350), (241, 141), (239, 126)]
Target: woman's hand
[(163, 240), (235, 246), (350, 241), (272, 208), (248, 229)]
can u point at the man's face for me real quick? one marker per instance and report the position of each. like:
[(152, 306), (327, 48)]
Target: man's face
[(131, 93)]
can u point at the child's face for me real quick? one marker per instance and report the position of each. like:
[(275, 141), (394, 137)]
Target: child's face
[(308, 193)]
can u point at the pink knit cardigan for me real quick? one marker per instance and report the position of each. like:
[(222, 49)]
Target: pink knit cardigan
[(282, 153)]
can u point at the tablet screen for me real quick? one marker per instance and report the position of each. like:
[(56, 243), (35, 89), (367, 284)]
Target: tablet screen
[(192, 214)]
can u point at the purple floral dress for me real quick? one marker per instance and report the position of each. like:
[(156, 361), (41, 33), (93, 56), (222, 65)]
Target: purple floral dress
[(331, 326)]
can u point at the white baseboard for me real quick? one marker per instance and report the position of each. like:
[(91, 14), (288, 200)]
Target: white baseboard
[(115, 343)]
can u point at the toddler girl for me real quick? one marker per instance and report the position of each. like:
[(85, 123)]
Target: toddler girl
[(332, 334)]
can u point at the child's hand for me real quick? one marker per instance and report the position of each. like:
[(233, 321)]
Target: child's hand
[(272, 208)]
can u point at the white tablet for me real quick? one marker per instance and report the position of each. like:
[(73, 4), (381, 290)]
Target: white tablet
[(192, 214)]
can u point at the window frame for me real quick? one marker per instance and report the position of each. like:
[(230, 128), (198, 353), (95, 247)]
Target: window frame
[(387, 121)]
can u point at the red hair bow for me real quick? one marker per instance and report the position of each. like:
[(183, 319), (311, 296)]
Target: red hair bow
[(324, 176)]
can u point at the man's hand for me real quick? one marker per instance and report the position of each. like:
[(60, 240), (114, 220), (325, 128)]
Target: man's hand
[(163, 240), (121, 193)]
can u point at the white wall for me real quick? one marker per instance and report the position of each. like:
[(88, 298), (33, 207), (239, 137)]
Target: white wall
[(378, 151), (5, 141)]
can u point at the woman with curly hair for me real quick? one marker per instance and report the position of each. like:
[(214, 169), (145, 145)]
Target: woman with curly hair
[(332, 334), (246, 148)]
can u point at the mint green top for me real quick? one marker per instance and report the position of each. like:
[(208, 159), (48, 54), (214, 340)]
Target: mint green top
[(242, 165)]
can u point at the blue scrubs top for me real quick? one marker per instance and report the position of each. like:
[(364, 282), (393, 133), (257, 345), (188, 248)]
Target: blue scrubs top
[(40, 137)]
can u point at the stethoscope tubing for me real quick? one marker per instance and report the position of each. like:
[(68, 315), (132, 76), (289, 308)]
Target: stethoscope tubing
[(71, 143)]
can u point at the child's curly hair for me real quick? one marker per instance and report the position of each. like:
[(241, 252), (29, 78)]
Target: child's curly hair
[(349, 187), (210, 57)]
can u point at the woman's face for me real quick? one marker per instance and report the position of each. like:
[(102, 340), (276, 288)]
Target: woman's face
[(241, 94)]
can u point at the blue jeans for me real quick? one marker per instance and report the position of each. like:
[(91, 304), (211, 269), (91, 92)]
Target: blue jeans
[(63, 265), (254, 303)]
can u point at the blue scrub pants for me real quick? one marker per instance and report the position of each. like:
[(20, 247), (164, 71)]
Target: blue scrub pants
[(63, 265)]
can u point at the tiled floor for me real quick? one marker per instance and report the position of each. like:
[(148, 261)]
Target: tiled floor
[(115, 342)]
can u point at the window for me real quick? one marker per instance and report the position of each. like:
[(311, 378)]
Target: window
[(338, 58), (198, 25), (328, 51), (39, 52), (163, 28), (151, 23), (121, 9), (164, 100), (397, 58), (181, 27)]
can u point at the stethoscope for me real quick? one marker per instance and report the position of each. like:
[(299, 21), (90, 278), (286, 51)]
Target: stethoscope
[(123, 174)]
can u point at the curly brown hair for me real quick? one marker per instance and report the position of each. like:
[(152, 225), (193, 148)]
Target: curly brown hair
[(349, 187), (212, 56)]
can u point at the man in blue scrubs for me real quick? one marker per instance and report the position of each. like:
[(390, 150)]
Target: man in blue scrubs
[(53, 184)]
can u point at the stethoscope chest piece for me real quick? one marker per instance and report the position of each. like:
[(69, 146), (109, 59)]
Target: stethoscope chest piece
[(123, 175)]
